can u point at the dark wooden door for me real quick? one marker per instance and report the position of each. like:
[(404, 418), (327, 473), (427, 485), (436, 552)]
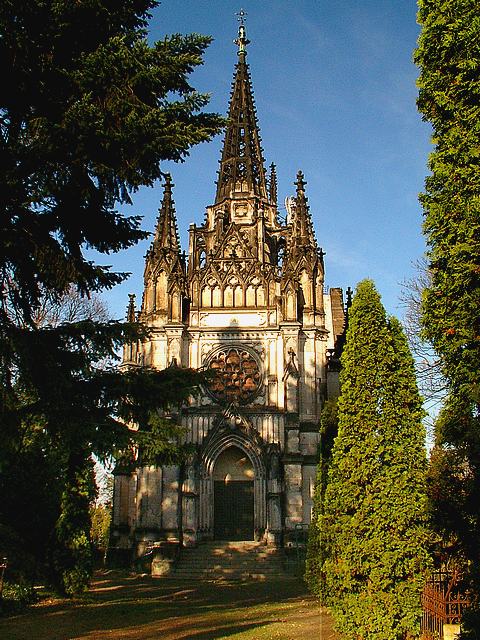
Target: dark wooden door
[(233, 510)]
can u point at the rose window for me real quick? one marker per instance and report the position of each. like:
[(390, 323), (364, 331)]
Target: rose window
[(237, 376)]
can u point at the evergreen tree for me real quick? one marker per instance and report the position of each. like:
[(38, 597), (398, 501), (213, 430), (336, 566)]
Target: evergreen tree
[(315, 557), (81, 409), (373, 532), (88, 110), (449, 58)]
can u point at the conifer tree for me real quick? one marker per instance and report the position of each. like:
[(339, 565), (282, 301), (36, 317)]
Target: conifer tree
[(449, 98), (373, 529), (88, 111), (315, 550)]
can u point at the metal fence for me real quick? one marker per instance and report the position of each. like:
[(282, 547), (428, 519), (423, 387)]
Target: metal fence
[(443, 603), (3, 566)]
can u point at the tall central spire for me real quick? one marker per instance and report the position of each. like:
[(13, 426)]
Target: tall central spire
[(242, 173)]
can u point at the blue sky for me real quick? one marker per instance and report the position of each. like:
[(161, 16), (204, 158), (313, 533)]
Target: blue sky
[(334, 86)]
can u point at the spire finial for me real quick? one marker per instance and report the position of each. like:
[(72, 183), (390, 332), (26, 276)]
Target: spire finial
[(242, 40), (168, 183), (300, 183), (241, 17)]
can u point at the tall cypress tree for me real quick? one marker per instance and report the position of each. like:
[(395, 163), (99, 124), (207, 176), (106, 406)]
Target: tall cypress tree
[(315, 549), (373, 523), (449, 58)]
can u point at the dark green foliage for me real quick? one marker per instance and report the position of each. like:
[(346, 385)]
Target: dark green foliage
[(80, 409), (315, 557), (88, 110), (160, 444), (30, 485), (373, 521), (16, 596), (449, 59), (72, 559), (449, 484)]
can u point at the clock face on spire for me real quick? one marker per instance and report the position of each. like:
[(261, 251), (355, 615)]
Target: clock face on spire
[(237, 376)]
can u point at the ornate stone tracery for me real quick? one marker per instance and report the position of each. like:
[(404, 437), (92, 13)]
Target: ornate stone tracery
[(238, 375)]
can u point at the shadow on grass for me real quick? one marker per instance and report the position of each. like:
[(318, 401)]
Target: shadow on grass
[(224, 632), (121, 607)]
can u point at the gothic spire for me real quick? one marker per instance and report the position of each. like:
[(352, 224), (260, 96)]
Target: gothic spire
[(241, 166), (302, 232), (166, 233)]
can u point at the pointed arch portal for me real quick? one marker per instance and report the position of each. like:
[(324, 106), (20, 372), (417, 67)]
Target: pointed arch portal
[(233, 496), (233, 488)]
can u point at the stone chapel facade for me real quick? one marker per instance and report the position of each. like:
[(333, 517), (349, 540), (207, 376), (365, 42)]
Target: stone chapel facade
[(248, 303)]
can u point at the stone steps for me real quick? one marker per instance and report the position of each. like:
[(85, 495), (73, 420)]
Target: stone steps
[(230, 561)]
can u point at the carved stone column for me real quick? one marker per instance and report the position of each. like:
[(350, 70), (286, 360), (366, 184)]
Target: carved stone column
[(170, 491), (274, 503), (293, 491), (190, 505)]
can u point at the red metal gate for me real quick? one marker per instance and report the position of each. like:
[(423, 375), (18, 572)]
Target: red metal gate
[(442, 603)]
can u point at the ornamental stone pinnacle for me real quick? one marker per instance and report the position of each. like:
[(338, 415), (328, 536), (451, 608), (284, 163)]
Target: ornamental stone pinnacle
[(303, 234), (166, 233), (131, 312), (273, 187)]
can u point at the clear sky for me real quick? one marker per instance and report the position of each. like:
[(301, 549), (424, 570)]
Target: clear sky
[(334, 86)]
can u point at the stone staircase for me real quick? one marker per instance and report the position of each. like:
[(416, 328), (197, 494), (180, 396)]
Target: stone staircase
[(230, 561)]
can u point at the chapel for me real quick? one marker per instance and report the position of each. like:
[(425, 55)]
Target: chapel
[(247, 301)]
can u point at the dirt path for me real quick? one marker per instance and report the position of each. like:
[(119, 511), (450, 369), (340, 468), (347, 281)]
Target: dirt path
[(139, 608)]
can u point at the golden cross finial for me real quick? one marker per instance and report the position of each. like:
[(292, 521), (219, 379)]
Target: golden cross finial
[(242, 41), (241, 17)]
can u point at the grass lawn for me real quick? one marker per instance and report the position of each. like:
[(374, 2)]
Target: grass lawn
[(124, 607)]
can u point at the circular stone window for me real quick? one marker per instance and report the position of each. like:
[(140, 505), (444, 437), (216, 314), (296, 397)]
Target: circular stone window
[(237, 376)]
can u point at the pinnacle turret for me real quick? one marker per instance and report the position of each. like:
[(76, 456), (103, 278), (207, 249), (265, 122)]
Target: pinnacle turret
[(242, 172), (303, 235), (164, 274), (131, 312), (166, 233)]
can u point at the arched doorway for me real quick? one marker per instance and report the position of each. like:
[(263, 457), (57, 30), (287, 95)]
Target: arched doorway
[(233, 477)]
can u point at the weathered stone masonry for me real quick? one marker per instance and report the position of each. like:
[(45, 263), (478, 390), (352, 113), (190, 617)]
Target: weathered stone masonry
[(249, 302)]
